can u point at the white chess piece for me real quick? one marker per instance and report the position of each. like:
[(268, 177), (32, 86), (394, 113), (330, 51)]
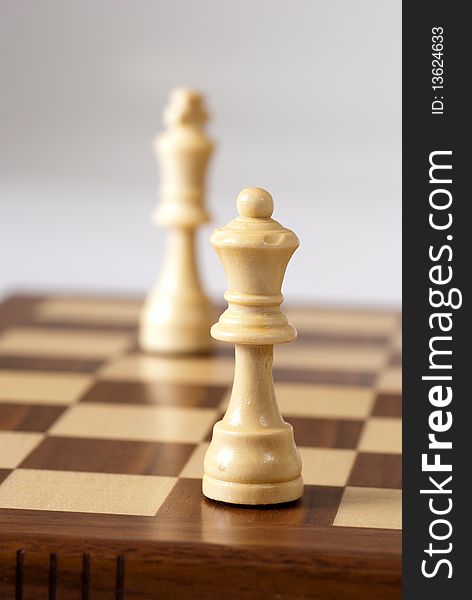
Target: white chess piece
[(177, 315), (252, 458)]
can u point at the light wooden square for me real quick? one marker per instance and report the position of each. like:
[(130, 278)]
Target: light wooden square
[(63, 343), (370, 507), (382, 435), (397, 344), (216, 370), (326, 466), (390, 381), (104, 493), (324, 401), (35, 387), (343, 322), (86, 310), (15, 446), (132, 422), (334, 357)]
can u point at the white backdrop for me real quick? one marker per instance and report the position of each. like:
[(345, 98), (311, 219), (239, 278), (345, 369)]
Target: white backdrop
[(306, 102)]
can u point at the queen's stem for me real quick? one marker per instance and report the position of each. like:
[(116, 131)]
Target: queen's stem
[(253, 404)]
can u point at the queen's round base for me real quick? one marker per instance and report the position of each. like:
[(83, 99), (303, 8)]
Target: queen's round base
[(252, 493)]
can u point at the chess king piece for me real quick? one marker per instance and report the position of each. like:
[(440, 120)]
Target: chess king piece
[(177, 315), (252, 458)]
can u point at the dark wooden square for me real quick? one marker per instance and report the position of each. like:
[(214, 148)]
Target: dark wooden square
[(323, 376), (165, 394), (109, 456), (326, 433), (26, 417), (377, 470), (317, 507), (41, 363), (388, 405)]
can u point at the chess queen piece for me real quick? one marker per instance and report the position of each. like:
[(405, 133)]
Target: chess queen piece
[(252, 458), (177, 315)]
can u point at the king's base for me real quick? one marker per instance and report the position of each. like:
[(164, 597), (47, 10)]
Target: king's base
[(171, 325), (252, 493), (174, 340)]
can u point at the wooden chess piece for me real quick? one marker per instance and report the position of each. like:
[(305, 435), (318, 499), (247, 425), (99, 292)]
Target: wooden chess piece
[(252, 458), (177, 315)]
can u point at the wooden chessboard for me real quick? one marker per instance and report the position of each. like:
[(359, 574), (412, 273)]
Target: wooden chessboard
[(101, 453)]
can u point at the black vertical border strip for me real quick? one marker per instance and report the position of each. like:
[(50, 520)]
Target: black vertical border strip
[(19, 574), (85, 578), (53, 576), (424, 133), (120, 578)]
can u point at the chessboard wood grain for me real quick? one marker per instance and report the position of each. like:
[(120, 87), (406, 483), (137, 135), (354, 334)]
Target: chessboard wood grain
[(388, 405), (85, 492), (28, 418), (329, 401), (159, 393), (205, 571), (59, 343), (15, 446), (359, 322), (109, 456), (88, 310), (106, 423), (41, 388), (377, 470), (40, 364)]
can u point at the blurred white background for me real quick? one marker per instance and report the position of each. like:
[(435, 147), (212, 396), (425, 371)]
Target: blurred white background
[(306, 102)]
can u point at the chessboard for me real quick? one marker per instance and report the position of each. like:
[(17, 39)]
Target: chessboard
[(101, 451)]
